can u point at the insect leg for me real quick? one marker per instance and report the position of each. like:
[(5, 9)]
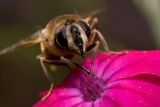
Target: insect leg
[(46, 72), (43, 59), (94, 55), (49, 77), (78, 65), (62, 61), (54, 62), (102, 40), (104, 43)]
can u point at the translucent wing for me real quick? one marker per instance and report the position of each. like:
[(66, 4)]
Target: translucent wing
[(32, 40)]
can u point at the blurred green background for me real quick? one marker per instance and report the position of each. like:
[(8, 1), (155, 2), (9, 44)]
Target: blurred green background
[(126, 24)]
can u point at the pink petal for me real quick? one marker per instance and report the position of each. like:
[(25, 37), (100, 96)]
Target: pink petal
[(123, 80)]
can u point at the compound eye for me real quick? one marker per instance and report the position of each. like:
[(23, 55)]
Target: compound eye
[(61, 38), (86, 28)]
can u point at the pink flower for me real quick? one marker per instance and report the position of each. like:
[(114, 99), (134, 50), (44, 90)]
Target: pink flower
[(122, 80)]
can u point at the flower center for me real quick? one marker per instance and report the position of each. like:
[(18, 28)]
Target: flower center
[(91, 87)]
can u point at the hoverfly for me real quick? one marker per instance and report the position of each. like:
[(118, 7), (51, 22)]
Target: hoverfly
[(63, 38)]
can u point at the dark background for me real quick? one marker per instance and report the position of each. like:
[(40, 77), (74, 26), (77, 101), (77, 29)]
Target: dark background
[(21, 78)]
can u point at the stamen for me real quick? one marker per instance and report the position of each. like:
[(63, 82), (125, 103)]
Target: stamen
[(91, 87)]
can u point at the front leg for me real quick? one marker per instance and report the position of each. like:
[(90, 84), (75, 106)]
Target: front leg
[(76, 64), (62, 61), (96, 33), (43, 59), (49, 77), (101, 39), (104, 43), (97, 43)]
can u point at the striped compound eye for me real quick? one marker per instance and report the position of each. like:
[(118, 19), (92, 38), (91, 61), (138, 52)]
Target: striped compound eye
[(86, 28), (76, 36), (61, 38)]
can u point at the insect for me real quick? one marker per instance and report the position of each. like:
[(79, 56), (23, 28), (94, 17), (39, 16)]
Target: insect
[(63, 38)]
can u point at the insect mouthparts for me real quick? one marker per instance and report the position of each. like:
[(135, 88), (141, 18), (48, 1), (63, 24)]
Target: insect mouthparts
[(81, 52), (82, 55)]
